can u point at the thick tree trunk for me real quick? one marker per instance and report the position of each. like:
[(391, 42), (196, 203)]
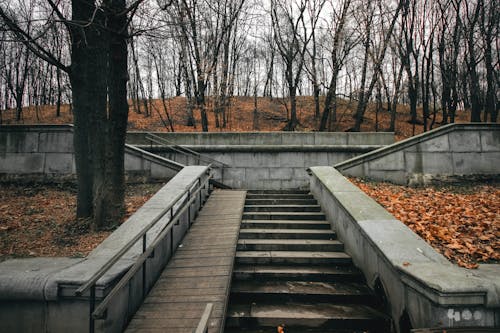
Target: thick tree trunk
[(108, 211), (99, 71), (81, 12), (99, 144)]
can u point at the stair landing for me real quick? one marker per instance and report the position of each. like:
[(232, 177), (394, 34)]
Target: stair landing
[(198, 273)]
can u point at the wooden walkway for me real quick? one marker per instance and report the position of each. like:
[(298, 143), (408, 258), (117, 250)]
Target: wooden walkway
[(199, 273)]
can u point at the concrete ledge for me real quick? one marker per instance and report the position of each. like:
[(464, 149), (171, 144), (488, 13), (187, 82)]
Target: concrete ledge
[(269, 148), (267, 138), (38, 292), (417, 280), (451, 150)]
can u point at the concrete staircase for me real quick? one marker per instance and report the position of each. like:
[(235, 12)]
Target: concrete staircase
[(290, 269)]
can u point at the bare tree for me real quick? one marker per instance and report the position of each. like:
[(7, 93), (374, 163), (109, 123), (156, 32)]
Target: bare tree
[(203, 27), (291, 39), (98, 74), (472, 15), (489, 27), (376, 54), (341, 47)]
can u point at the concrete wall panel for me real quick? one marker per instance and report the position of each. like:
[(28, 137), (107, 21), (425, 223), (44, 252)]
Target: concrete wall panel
[(465, 141), (19, 142), (56, 142), (490, 141), (429, 163), (391, 162), (451, 150), (281, 173), (438, 144), (19, 163), (59, 163)]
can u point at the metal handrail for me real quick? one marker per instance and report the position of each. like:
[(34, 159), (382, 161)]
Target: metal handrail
[(184, 150), (100, 311), (203, 323)]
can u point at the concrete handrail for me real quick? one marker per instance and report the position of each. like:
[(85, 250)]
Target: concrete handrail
[(154, 158), (184, 150)]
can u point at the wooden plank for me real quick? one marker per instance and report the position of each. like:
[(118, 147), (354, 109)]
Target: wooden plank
[(199, 272)]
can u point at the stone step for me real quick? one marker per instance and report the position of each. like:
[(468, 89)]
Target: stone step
[(286, 234), (298, 291), (299, 273), (292, 257), (291, 191), (282, 208), (289, 245), (280, 201), (271, 196), (286, 224), (284, 216), (299, 317)]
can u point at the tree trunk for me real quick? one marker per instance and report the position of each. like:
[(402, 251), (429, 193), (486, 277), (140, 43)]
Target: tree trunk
[(330, 96), (108, 211), (81, 107), (59, 93), (200, 101), (474, 87), (99, 70)]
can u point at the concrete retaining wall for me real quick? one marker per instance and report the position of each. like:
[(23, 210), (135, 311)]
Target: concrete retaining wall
[(37, 295), (443, 153), (46, 152), (417, 281), (268, 138), (265, 166), (266, 160)]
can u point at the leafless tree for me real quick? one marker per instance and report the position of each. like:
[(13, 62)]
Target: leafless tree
[(291, 38), (377, 53), (341, 46), (98, 75)]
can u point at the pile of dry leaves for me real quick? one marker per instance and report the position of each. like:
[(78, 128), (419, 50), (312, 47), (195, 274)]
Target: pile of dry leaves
[(460, 221), (39, 220)]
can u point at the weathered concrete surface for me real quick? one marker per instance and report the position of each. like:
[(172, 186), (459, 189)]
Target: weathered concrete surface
[(266, 160), (443, 153), (36, 293), (35, 274), (199, 272), (415, 278), (266, 166), (268, 138), (46, 152)]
